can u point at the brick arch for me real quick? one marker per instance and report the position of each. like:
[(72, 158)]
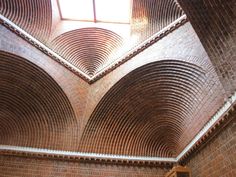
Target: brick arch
[(89, 49), (34, 110), (34, 16), (147, 111)]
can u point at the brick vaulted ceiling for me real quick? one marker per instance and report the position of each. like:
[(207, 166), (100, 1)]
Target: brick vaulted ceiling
[(153, 105), (88, 49), (156, 101), (34, 109)]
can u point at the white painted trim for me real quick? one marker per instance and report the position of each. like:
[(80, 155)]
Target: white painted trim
[(86, 155), (105, 68)]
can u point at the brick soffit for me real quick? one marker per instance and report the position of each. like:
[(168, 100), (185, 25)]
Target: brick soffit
[(127, 56), (220, 118)]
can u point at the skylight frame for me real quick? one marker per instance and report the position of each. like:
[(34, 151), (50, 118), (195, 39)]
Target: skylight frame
[(94, 10)]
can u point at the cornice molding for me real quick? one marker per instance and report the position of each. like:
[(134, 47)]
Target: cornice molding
[(104, 71), (87, 157), (223, 115)]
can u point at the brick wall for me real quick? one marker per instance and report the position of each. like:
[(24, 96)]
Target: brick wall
[(215, 24), (28, 167), (218, 157)]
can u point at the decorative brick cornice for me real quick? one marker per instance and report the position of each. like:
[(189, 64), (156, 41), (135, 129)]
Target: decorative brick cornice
[(84, 157), (127, 56), (209, 135)]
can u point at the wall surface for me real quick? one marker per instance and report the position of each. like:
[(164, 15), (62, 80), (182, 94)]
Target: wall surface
[(27, 167), (215, 25), (218, 157)]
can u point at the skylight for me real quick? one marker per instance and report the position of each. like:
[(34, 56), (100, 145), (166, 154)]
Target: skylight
[(77, 9), (112, 11)]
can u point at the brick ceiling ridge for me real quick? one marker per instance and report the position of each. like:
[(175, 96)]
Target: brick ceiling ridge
[(154, 17)]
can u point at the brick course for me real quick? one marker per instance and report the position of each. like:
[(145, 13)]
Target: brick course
[(29, 167)]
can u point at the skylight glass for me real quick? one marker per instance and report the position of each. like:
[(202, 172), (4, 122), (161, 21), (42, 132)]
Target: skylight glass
[(117, 11), (77, 9), (113, 11)]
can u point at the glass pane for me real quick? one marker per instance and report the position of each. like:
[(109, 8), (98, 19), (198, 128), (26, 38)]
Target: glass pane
[(77, 9), (113, 10)]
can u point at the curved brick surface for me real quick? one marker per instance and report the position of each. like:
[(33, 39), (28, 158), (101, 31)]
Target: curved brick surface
[(98, 49), (152, 104), (87, 48), (148, 112), (34, 16), (34, 112), (150, 16)]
